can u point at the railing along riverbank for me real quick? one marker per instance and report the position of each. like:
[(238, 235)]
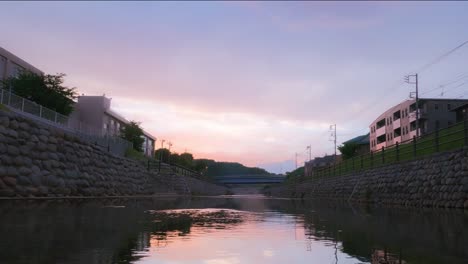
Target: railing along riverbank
[(446, 139)]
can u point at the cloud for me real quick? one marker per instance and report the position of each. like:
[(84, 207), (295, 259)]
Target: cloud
[(228, 260), (268, 253)]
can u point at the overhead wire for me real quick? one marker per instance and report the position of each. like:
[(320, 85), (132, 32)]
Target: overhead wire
[(441, 57), (447, 83)]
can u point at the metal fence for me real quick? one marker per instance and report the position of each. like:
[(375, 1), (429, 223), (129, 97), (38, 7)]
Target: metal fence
[(24, 105), (446, 139), (51, 118)]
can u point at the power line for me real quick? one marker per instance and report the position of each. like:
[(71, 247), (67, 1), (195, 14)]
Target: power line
[(458, 86), (448, 83), (400, 82), (441, 57)]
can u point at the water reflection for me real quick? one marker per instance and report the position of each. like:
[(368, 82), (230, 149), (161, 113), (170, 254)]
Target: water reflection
[(225, 230)]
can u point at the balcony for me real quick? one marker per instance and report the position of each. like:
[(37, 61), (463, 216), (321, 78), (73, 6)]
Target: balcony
[(412, 116), (413, 133), (422, 115), (380, 131), (379, 146), (396, 123)]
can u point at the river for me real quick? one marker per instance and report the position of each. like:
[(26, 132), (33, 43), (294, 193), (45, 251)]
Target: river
[(227, 230)]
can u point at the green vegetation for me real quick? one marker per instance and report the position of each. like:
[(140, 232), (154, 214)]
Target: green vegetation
[(348, 150), (47, 90), (295, 174), (215, 168), (163, 154), (444, 140), (4, 108), (137, 155), (207, 167), (132, 132)]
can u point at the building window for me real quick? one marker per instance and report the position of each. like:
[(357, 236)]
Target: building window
[(437, 124), (16, 70), (436, 107), (449, 107), (2, 67)]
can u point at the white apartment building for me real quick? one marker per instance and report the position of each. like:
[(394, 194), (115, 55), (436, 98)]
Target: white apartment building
[(398, 124)]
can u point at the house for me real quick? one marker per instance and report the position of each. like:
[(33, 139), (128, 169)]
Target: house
[(93, 115), (362, 143), (11, 65), (461, 112), (398, 124)]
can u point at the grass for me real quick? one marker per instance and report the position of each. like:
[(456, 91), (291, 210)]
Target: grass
[(133, 154), (4, 108)]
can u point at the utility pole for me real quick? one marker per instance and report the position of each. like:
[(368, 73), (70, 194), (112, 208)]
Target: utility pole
[(415, 82), (170, 145), (333, 136), (296, 159), (169, 155), (162, 145)]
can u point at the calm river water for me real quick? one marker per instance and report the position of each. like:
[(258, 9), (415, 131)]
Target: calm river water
[(227, 230)]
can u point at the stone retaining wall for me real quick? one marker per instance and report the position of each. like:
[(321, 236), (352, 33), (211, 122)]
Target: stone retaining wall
[(440, 180), (41, 161)]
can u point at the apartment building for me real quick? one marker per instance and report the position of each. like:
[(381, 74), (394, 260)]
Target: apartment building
[(11, 65), (398, 124), (93, 115), (461, 112)]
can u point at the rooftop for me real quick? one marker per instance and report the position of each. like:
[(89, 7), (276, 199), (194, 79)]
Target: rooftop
[(360, 140)]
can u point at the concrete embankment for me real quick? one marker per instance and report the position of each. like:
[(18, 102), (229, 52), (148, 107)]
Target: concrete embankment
[(439, 180), (42, 161)]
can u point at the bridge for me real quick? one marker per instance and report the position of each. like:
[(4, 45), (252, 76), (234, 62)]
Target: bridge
[(249, 179)]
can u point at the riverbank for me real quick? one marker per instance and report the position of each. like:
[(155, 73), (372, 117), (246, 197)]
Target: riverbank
[(439, 180), (44, 161)]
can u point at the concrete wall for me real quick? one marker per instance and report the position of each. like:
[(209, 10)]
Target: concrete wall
[(40, 161), (440, 180)]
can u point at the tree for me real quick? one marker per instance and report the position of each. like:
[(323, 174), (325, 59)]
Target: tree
[(348, 150), (132, 132), (47, 90), (163, 154), (186, 160)]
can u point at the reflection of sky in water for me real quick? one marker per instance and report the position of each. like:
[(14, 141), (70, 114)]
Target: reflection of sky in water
[(261, 238)]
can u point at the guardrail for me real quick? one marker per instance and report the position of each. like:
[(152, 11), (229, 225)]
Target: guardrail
[(451, 138)]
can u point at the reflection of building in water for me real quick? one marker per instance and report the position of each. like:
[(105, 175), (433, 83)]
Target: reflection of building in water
[(383, 257)]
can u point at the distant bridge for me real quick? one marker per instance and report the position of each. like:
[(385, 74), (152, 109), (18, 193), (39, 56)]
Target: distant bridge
[(249, 179)]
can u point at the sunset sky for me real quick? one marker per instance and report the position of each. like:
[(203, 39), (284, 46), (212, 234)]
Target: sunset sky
[(251, 82)]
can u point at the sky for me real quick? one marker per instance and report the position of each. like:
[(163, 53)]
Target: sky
[(248, 82)]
